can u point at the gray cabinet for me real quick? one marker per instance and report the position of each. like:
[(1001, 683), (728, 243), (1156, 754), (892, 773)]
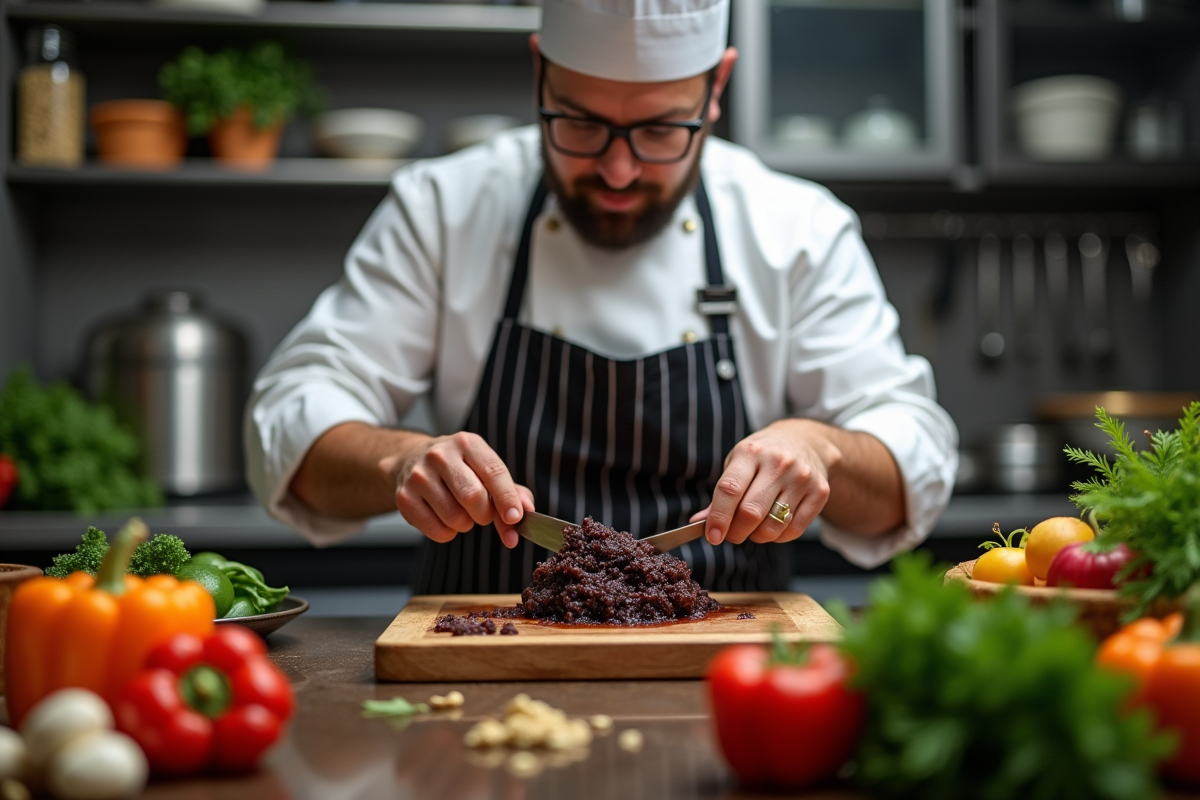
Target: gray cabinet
[(850, 89)]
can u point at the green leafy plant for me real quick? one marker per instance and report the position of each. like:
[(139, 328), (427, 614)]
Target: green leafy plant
[(989, 700), (1150, 500), (265, 80), (70, 454)]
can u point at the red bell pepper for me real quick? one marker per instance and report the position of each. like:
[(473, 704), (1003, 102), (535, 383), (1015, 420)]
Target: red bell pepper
[(8, 477), (214, 702), (784, 720)]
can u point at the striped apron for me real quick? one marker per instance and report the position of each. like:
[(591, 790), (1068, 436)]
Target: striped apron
[(636, 444)]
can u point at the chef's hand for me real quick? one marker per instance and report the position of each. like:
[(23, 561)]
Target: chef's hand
[(449, 484), (788, 460)]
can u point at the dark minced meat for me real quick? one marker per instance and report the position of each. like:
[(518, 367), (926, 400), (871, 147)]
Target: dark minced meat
[(509, 629), (463, 626), (603, 576), (746, 615)]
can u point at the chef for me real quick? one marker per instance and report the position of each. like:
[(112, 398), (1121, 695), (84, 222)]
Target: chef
[(616, 315)]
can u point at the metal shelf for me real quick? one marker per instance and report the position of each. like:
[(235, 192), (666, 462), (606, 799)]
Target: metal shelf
[(205, 172), (241, 523), (373, 16)]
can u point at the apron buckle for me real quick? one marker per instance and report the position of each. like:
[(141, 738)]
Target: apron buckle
[(717, 300)]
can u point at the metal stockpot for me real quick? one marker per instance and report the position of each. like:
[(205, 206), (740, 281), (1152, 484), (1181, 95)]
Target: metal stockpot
[(1025, 458), (176, 375)]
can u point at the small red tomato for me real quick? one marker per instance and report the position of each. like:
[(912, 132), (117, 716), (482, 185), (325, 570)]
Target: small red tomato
[(1089, 565), (8, 477)]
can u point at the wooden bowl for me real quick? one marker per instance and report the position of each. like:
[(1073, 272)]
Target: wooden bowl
[(11, 576), (1099, 609)]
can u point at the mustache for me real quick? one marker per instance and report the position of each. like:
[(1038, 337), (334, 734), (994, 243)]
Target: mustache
[(595, 182)]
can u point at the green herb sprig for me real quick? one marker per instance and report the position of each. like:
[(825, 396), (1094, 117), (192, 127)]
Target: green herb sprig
[(1150, 500), (989, 700)]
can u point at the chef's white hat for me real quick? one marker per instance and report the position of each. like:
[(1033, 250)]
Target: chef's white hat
[(635, 40)]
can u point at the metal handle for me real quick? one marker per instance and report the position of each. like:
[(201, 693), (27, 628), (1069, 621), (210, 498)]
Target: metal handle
[(991, 340)]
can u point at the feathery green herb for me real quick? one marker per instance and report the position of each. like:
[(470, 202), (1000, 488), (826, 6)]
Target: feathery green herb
[(1150, 500), (989, 700)]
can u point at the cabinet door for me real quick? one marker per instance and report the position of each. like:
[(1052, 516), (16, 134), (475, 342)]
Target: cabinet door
[(849, 89)]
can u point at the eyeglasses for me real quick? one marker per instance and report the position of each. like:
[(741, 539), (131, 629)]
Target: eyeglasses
[(650, 142)]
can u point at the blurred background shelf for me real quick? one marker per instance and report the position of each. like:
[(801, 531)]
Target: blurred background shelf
[(205, 172)]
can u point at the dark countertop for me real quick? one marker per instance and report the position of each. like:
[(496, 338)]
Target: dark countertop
[(332, 753)]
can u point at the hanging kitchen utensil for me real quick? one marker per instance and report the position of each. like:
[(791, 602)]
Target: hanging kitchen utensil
[(991, 340), (1058, 286), (1093, 252), (1143, 257), (1025, 297)]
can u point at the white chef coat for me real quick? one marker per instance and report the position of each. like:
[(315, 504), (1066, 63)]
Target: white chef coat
[(425, 284)]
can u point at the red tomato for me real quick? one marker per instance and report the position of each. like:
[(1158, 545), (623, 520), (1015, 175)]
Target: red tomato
[(788, 725), (8, 477), (1084, 565)]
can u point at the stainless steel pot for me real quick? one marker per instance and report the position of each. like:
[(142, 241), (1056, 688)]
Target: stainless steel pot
[(177, 376), (1139, 411), (1025, 458)]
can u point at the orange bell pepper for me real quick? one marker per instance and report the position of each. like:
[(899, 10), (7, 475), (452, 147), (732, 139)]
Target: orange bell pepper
[(95, 633), (1163, 656)]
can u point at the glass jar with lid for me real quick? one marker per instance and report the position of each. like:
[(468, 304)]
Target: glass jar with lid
[(50, 101)]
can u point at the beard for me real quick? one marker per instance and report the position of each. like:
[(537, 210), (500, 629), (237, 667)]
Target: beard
[(615, 230)]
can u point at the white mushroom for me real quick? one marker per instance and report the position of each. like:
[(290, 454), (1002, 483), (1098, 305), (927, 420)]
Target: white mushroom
[(61, 718), (101, 765)]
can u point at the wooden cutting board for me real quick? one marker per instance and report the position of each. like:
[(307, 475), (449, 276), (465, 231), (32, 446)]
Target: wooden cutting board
[(409, 651)]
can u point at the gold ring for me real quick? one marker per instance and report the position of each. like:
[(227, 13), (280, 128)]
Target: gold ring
[(781, 512)]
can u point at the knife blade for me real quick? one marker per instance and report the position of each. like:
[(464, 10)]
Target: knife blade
[(662, 542), (543, 530), (547, 531)]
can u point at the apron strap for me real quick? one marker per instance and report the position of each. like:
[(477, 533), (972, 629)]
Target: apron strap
[(712, 253), (516, 287)]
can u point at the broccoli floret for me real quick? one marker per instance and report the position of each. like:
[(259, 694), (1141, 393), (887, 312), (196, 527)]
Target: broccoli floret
[(163, 554), (86, 558)]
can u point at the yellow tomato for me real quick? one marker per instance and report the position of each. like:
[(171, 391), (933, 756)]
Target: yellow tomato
[(1047, 538), (1003, 565)]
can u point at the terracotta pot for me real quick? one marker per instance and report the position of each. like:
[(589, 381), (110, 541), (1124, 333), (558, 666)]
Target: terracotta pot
[(145, 134), (11, 576), (237, 143)]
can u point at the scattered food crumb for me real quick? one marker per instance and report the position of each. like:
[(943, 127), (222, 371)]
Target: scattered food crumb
[(464, 626), (630, 740), (530, 723), (601, 723), (445, 703), (524, 764), (508, 629), (746, 615)]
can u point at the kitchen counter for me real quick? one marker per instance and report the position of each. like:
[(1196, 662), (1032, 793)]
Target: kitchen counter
[(332, 753)]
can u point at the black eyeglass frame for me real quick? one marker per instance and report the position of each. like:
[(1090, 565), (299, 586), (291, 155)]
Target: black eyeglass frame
[(615, 131)]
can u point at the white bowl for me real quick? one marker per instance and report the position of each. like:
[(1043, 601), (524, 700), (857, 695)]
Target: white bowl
[(467, 131), (1067, 117), (804, 132), (368, 133), (880, 130)]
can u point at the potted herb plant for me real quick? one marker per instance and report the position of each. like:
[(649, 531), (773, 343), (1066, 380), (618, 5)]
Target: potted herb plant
[(241, 99)]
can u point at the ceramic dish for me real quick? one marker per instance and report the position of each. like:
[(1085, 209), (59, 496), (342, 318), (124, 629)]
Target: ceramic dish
[(1067, 117), (368, 133), (290, 607)]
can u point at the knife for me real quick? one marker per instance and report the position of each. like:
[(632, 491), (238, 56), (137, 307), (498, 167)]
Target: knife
[(547, 531)]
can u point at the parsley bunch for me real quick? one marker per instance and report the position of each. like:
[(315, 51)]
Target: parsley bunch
[(989, 700), (70, 454), (1150, 500)]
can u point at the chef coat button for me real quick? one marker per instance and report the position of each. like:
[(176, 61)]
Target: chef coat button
[(552, 224), (726, 370), (689, 337), (689, 226), (558, 331)]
